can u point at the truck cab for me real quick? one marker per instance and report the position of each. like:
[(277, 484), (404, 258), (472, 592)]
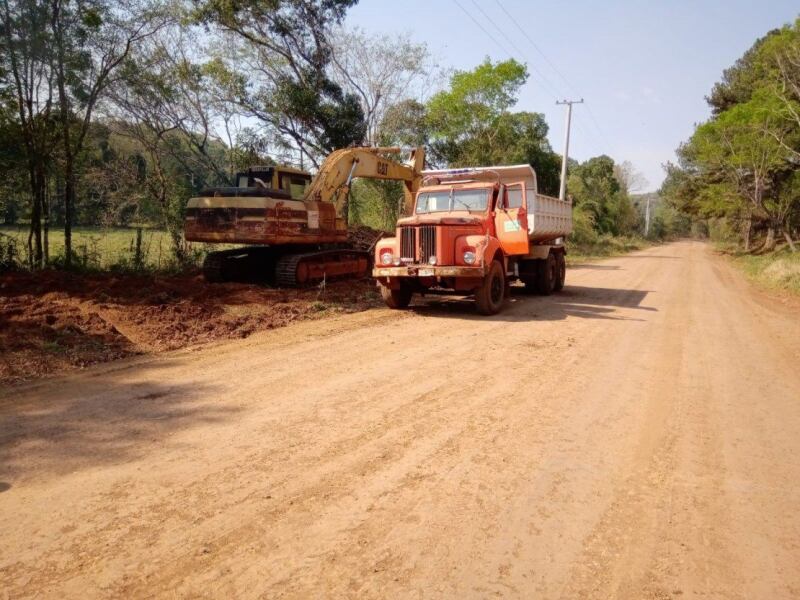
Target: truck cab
[(473, 231)]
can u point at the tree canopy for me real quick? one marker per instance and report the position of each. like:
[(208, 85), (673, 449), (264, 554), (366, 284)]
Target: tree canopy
[(742, 164)]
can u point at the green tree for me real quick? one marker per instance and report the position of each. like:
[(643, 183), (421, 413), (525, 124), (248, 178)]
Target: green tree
[(522, 138), (596, 189), (470, 123), (742, 147), (161, 106), (741, 165), (284, 49), (91, 40), (26, 63), (405, 124), (463, 118), (740, 80)]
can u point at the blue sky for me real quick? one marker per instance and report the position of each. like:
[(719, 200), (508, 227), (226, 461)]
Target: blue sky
[(642, 67)]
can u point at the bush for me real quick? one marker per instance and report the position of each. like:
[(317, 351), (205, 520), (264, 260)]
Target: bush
[(9, 255), (583, 231)]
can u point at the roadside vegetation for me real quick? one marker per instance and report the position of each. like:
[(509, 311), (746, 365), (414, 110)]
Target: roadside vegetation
[(738, 176), (779, 270), (116, 249)]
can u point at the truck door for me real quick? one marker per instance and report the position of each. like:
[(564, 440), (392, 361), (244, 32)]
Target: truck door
[(511, 219)]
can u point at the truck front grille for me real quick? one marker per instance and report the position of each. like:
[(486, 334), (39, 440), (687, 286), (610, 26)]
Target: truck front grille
[(418, 243), (427, 242), (408, 243)]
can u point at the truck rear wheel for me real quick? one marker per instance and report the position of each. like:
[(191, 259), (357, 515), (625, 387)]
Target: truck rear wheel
[(561, 269), (548, 275), (396, 299), (490, 296)]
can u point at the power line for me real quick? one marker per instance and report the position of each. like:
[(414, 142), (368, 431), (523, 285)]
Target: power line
[(535, 46), (510, 54), (595, 122), (590, 139), (597, 125), (482, 28), (551, 88)]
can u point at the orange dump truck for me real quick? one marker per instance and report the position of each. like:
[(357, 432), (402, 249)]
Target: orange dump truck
[(473, 231)]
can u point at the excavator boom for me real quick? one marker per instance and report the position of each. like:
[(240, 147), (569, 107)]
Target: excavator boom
[(332, 183)]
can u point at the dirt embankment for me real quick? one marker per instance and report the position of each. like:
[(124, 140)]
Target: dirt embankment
[(54, 321)]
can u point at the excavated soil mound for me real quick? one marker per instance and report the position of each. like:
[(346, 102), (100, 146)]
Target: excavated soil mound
[(363, 237), (52, 321)]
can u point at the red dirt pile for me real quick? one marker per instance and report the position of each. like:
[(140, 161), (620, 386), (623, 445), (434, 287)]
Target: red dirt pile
[(52, 321)]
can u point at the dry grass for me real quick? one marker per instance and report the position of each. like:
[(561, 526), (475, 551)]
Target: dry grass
[(778, 270)]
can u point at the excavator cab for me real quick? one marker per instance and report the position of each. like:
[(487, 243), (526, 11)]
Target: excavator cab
[(272, 178)]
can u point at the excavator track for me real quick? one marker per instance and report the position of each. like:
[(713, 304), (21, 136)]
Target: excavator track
[(239, 264), (213, 267), (309, 268)]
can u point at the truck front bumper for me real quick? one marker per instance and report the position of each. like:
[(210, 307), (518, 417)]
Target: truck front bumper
[(427, 271)]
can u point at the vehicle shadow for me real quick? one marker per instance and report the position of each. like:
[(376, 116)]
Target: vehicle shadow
[(573, 301), (95, 420)]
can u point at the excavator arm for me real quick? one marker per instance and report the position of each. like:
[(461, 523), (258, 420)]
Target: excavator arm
[(336, 173)]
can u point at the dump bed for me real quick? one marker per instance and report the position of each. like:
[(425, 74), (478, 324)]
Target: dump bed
[(548, 218)]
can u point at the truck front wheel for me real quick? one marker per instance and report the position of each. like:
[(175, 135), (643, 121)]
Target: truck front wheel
[(490, 296), (399, 298)]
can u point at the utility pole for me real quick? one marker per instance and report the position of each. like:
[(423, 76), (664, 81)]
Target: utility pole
[(562, 194)]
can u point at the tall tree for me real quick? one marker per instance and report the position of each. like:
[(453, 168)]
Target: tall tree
[(741, 148), (463, 117), (27, 61), (381, 71), (742, 164), (162, 102), (596, 189), (780, 57), (740, 80), (92, 39), (284, 48)]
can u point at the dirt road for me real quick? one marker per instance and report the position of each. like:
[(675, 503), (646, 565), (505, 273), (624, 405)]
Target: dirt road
[(637, 436)]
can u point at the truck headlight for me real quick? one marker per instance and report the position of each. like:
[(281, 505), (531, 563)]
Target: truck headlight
[(386, 258), (469, 258), (432, 260)]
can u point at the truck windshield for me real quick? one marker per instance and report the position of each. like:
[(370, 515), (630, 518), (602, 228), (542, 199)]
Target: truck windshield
[(471, 200)]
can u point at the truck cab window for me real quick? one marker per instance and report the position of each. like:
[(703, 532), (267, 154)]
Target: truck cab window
[(514, 197), (433, 202)]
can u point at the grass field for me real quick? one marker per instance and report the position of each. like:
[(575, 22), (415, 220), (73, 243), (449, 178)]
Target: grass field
[(103, 248)]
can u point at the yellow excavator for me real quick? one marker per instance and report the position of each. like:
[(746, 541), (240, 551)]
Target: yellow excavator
[(292, 223)]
